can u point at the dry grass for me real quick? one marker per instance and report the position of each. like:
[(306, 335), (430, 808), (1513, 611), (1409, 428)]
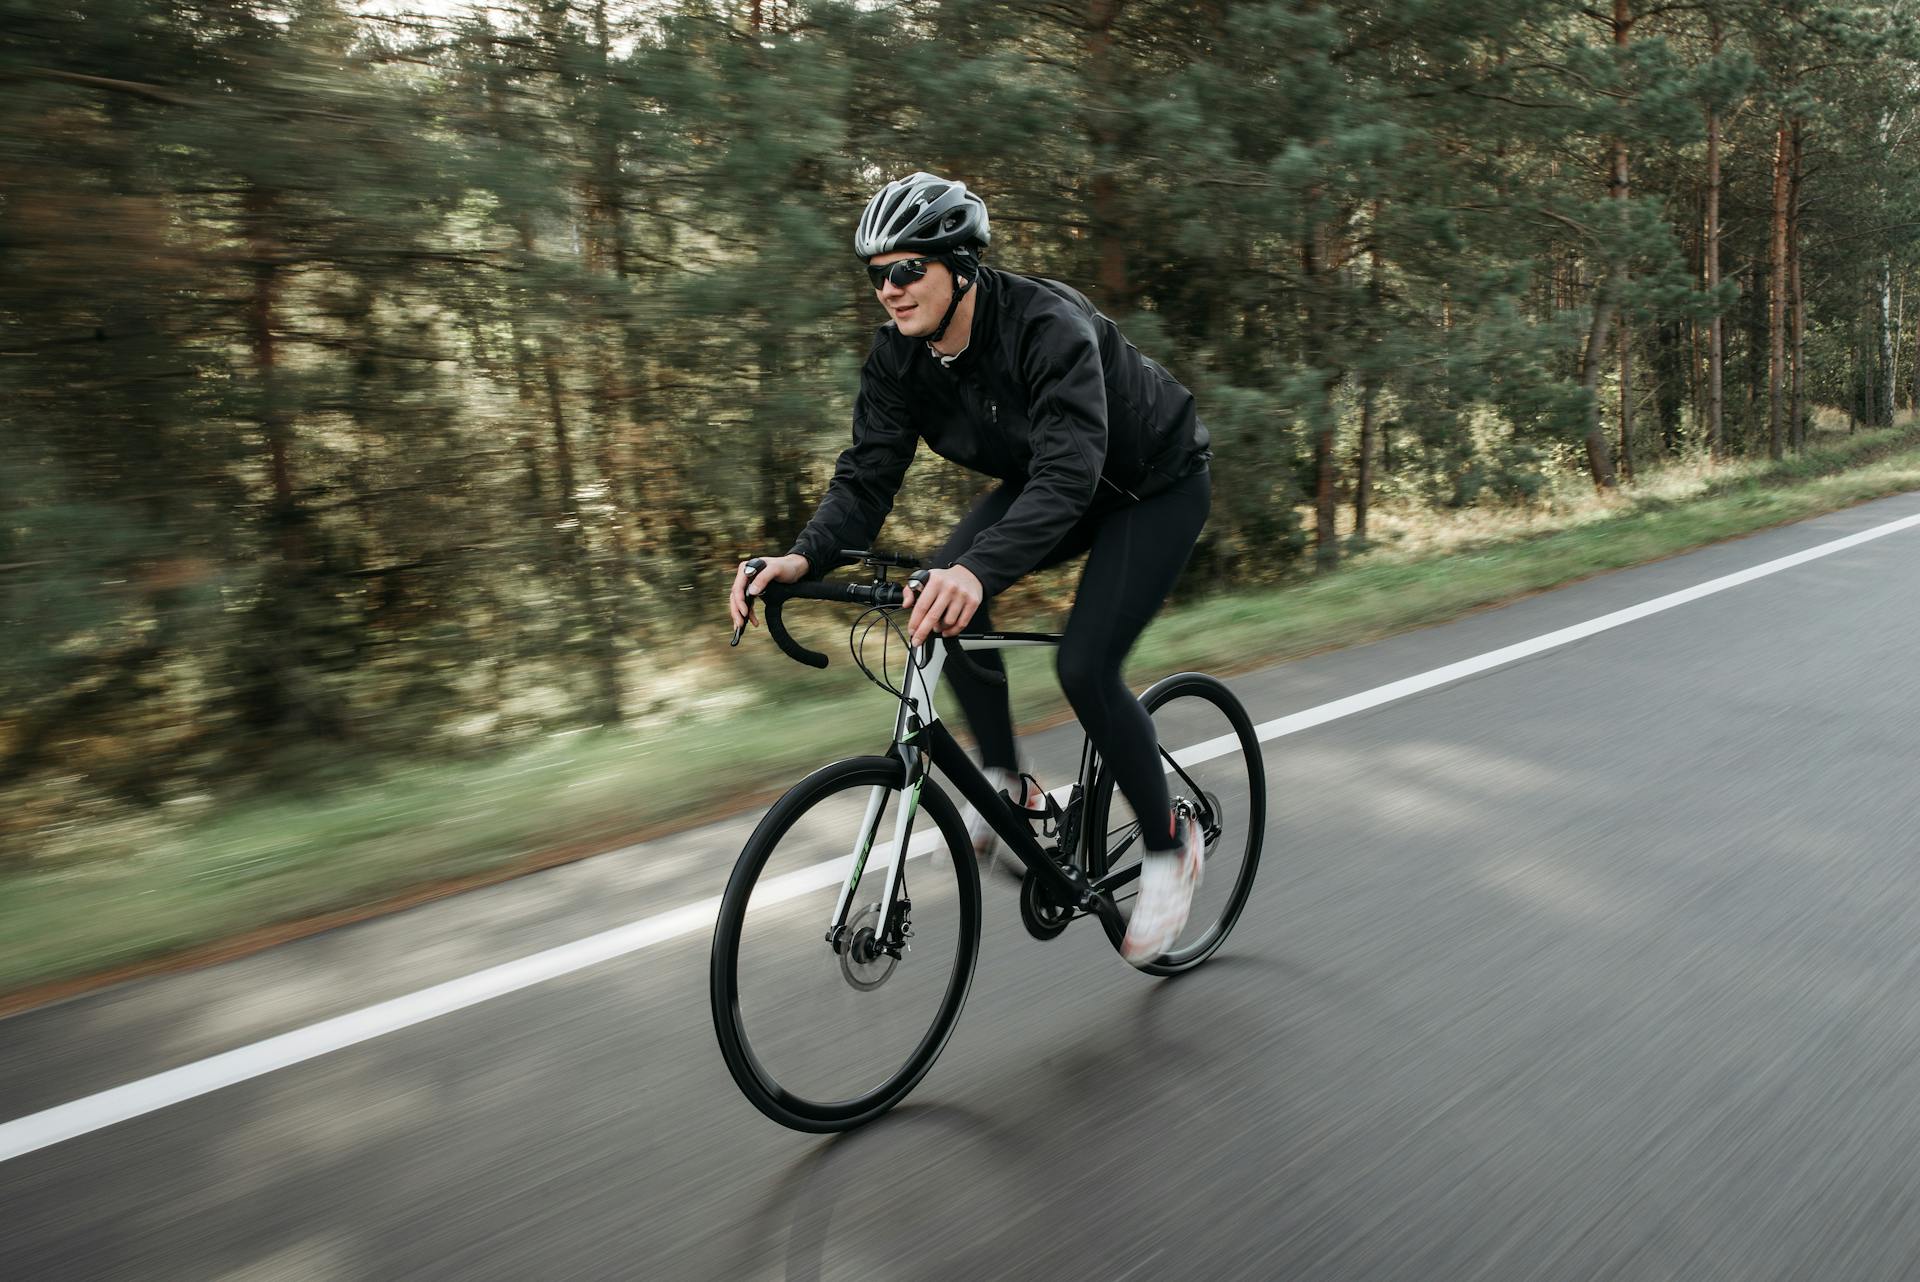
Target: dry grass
[(1404, 531)]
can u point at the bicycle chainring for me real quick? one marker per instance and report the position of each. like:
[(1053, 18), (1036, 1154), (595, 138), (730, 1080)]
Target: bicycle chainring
[(1043, 918)]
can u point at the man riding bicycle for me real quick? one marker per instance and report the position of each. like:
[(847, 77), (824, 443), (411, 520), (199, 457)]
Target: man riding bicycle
[(1098, 451)]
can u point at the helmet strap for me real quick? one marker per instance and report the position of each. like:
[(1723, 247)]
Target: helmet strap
[(955, 263)]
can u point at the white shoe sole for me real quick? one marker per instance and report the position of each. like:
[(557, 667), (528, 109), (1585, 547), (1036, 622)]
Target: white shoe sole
[(1155, 926)]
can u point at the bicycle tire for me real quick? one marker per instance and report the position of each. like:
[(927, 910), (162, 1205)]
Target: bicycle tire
[(1243, 824), (786, 1102)]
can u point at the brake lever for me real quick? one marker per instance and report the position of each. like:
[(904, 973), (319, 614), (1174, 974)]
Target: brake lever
[(753, 567)]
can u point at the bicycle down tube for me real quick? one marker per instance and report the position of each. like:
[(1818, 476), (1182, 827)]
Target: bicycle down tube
[(920, 736)]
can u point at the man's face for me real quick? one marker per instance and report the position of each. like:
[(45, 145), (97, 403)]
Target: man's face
[(916, 307)]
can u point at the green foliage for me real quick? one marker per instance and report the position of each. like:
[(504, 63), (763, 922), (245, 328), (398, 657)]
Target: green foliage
[(394, 388)]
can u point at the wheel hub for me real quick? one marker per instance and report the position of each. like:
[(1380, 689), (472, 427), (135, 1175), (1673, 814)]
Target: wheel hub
[(864, 962), (1211, 829)]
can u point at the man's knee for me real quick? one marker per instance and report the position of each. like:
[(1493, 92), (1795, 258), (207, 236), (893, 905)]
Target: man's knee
[(1084, 675)]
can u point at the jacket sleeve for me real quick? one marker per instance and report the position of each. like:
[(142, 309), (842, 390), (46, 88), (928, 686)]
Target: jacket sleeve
[(868, 472), (1067, 413)]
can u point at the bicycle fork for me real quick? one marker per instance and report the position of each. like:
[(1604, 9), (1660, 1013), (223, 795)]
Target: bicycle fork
[(893, 928)]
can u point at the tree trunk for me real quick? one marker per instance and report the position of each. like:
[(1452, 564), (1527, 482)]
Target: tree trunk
[(1673, 367), (1716, 339), (1797, 299), (1777, 294), (1599, 456), (1853, 388), (1860, 394), (1916, 367), (1363, 484), (1883, 344), (1899, 328), (264, 250), (1103, 129), (1626, 399), (1696, 383), (564, 516), (1756, 327), (1622, 31), (1691, 334), (535, 510), (1326, 544), (613, 434), (1370, 390), (575, 548), (275, 698)]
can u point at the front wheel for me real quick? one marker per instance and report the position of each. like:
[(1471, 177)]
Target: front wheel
[(1213, 759), (824, 1029)]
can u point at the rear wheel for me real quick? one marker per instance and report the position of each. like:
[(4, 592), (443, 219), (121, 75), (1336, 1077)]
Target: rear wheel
[(1213, 759), (824, 1034)]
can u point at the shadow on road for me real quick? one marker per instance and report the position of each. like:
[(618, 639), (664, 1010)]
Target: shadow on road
[(852, 1169)]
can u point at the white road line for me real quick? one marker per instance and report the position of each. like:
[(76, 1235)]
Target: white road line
[(150, 1094)]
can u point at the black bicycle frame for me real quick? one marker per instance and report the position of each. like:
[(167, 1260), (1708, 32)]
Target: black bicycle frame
[(920, 738), (932, 742)]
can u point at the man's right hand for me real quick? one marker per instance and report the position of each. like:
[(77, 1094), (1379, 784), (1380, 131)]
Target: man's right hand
[(779, 569)]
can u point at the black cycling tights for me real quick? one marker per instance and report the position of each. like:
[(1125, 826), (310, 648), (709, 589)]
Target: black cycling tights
[(1134, 554)]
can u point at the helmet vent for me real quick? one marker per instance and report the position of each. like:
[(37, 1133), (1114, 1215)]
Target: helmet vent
[(922, 214), (905, 218)]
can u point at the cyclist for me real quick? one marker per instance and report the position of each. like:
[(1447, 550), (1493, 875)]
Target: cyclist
[(1098, 451)]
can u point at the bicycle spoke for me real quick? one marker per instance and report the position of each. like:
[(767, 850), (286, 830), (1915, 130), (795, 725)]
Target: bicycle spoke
[(823, 1028)]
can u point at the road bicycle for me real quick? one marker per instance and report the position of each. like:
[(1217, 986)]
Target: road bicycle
[(840, 961)]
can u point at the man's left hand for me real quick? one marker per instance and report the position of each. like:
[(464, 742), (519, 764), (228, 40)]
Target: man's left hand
[(947, 604)]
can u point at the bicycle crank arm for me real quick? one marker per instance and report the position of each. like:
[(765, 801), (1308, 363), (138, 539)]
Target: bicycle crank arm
[(1103, 907)]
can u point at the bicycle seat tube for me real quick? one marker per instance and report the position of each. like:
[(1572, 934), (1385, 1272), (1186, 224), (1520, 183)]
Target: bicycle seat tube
[(932, 738)]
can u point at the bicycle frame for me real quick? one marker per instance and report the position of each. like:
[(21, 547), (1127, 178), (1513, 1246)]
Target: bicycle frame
[(920, 738)]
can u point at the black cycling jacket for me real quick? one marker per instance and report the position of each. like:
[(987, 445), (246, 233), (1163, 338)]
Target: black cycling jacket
[(1049, 396)]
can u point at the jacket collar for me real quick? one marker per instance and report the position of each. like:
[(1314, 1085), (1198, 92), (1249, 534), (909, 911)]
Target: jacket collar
[(984, 291)]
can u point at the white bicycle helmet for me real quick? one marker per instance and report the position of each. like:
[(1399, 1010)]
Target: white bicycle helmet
[(925, 214)]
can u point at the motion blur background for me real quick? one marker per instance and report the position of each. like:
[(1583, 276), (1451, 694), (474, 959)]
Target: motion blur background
[(386, 385)]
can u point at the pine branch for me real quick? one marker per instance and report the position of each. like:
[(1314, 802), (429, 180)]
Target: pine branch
[(1861, 235), (152, 93), (1661, 10)]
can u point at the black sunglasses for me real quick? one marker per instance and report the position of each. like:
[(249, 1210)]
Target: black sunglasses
[(902, 273)]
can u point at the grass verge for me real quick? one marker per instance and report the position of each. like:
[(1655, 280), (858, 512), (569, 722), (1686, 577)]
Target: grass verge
[(299, 860)]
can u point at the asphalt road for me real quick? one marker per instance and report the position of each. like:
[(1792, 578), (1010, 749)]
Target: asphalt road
[(1600, 964)]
